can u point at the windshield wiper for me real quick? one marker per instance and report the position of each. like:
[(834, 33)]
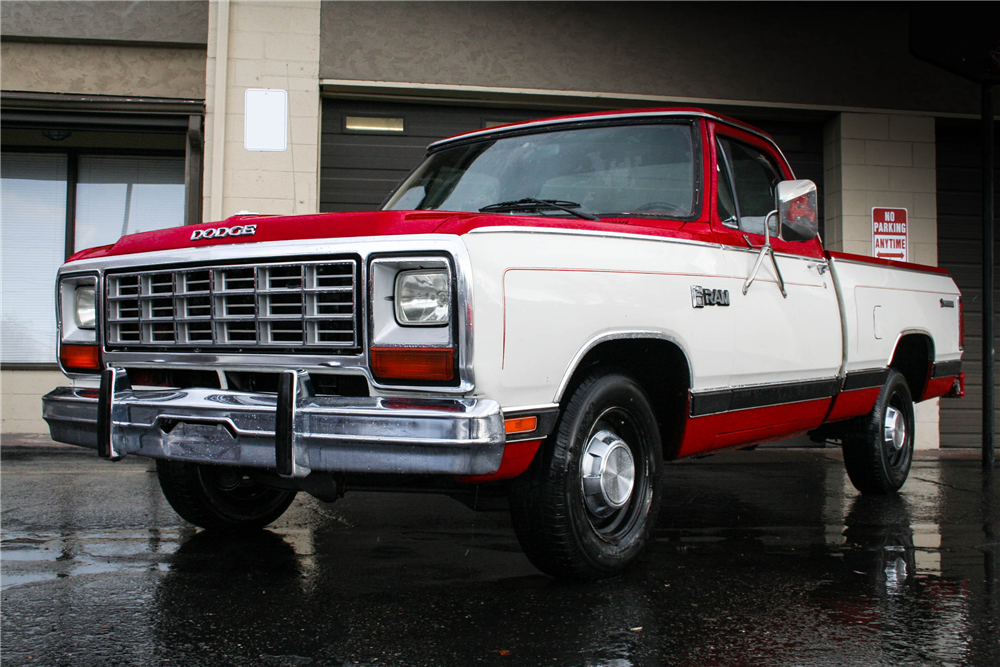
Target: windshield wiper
[(532, 204)]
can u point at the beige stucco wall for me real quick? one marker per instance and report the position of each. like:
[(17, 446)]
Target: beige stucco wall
[(827, 54), (102, 70), (274, 45), (21, 401), (884, 160)]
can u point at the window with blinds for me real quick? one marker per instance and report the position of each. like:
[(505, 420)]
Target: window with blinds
[(33, 219), (117, 195)]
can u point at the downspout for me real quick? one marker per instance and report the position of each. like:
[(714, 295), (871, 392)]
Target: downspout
[(219, 107)]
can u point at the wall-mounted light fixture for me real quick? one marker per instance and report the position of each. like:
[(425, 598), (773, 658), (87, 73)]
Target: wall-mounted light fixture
[(56, 135)]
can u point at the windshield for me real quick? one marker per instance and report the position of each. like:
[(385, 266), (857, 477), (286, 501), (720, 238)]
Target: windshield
[(612, 170)]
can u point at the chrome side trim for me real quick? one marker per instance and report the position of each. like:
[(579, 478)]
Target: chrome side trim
[(819, 261), (617, 335), (526, 409), (842, 305), (913, 332), (456, 436)]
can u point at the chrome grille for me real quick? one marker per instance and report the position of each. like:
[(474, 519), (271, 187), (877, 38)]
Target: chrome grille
[(268, 305)]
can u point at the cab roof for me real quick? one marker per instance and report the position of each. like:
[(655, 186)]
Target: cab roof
[(680, 112)]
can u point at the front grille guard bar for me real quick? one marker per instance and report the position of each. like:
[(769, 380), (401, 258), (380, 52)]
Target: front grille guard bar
[(293, 432)]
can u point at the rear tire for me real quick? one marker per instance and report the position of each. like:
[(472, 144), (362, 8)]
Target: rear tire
[(220, 497), (878, 450), (587, 505)]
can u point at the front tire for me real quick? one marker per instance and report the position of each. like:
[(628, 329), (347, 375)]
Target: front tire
[(587, 505), (878, 450), (219, 497)]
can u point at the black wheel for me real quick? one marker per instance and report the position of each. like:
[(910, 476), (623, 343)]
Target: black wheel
[(878, 450), (586, 506), (220, 497)]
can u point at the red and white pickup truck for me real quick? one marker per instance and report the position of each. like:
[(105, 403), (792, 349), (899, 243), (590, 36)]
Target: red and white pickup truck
[(547, 311)]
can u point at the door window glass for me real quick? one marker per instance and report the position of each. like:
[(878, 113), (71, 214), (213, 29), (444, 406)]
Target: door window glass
[(727, 203), (754, 179)]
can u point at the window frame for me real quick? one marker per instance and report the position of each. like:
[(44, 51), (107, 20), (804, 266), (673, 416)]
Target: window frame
[(737, 238), (732, 180), (699, 184)]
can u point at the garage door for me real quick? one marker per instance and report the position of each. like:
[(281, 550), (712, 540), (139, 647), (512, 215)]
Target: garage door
[(369, 147), (959, 210)]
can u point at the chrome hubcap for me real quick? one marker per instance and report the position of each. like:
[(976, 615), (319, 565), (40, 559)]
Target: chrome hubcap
[(895, 429), (608, 472)]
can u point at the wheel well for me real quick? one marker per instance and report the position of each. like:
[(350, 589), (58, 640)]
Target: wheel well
[(912, 358), (662, 370)]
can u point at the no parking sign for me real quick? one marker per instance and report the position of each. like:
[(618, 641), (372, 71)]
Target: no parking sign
[(889, 239)]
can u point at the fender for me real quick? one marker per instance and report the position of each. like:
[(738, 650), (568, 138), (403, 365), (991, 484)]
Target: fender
[(638, 334)]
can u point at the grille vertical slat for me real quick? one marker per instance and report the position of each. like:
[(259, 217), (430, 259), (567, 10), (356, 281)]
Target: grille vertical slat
[(246, 306)]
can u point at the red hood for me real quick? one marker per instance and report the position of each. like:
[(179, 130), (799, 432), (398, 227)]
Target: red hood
[(277, 228), (369, 223)]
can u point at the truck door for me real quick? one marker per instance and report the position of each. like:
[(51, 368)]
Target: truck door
[(788, 347)]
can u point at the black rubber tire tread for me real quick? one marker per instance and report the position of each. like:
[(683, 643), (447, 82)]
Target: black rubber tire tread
[(540, 499), (184, 486), (864, 453)]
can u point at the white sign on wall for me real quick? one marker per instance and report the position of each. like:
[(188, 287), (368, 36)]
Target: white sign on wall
[(266, 120), (889, 234)]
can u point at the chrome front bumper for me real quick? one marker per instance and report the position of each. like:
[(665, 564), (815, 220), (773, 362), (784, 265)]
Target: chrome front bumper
[(293, 432)]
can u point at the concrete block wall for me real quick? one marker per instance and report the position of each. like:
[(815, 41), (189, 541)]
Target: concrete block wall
[(21, 403), (883, 160), (880, 160), (272, 45)]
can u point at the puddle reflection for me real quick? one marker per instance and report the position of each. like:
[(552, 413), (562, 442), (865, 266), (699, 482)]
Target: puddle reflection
[(799, 569)]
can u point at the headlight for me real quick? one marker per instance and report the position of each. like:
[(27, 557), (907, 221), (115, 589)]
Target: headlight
[(423, 297), (84, 310)]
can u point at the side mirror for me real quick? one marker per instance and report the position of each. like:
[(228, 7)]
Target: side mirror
[(798, 211)]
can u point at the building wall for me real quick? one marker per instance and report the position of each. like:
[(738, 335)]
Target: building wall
[(874, 160), (794, 55), (810, 59), (144, 49), (174, 22), (274, 45), (102, 69), (21, 404)]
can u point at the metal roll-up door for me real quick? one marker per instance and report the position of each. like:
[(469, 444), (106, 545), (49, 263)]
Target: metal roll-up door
[(369, 147), (960, 234), (360, 167)]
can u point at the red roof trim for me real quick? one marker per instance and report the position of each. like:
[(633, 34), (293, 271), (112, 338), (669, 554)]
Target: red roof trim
[(909, 266)]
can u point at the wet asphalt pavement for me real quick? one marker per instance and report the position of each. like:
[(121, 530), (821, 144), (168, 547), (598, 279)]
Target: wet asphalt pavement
[(760, 558)]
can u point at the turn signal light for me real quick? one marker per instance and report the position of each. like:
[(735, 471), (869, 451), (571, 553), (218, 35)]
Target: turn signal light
[(520, 425), (413, 363), (80, 358)]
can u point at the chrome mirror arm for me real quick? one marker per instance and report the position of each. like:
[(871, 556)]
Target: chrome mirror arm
[(777, 272), (766, 249)]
